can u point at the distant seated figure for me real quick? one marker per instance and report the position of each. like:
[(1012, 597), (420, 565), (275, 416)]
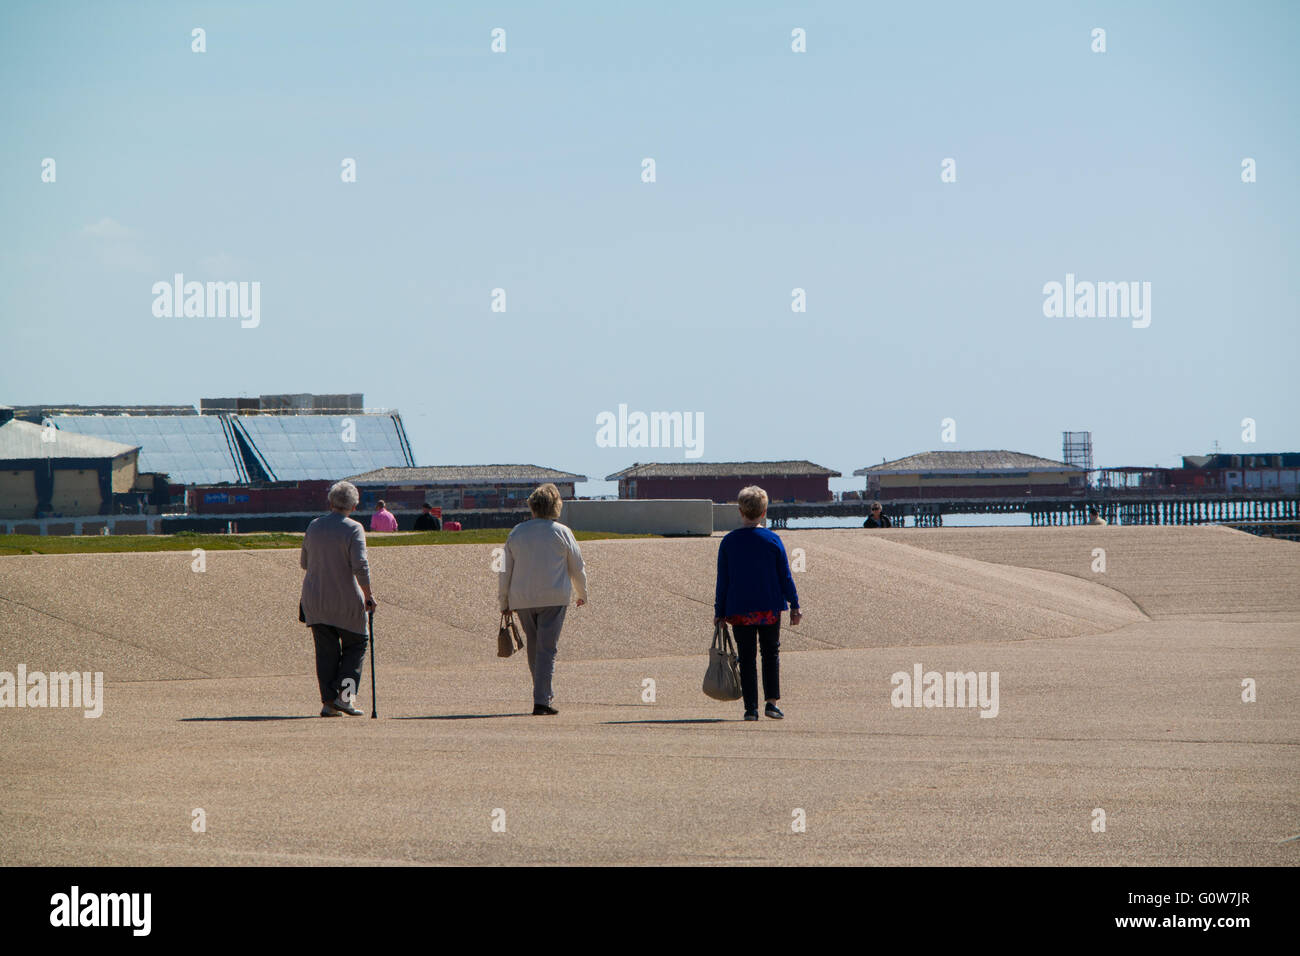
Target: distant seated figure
[(1094, 517), (878, 517), (382, 519), (427, 521)]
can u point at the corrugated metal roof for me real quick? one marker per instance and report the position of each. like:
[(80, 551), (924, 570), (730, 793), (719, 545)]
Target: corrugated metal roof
[(464, 474), (961, 461), (307, 447), (724, 469), (206, 449), (189, 449), (20, 440)]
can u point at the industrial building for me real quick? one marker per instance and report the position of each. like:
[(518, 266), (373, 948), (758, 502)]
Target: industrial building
[(274, 438), (972, 474), (1217, 474), (44, 472), (297, 403), (39, 414), (247, 456), (721, 482)]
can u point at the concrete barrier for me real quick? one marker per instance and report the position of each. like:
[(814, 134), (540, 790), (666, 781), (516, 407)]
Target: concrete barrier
[(86, 524), (669, 516), (727, 517)]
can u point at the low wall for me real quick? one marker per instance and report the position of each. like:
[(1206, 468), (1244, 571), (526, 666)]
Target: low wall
[(727, 517), (668, 516), (85, 524)]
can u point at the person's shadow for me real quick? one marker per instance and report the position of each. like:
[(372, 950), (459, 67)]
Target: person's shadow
[(685, 720), (249, 718), (252, 718), (464, 716)]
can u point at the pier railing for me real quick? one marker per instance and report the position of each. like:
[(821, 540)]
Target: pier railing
[(1160, 507)]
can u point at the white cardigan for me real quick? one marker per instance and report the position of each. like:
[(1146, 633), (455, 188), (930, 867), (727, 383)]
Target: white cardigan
[(541, 559)]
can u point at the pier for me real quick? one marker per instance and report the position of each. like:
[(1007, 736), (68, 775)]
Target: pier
[(1265, 512)]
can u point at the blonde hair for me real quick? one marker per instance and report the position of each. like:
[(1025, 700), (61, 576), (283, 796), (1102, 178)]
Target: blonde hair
[(752, 501), (545, 502)]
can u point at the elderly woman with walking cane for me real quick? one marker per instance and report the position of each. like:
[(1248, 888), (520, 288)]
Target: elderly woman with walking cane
[(335, 599)]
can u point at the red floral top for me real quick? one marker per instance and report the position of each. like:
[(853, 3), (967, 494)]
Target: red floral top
[(761, 618)]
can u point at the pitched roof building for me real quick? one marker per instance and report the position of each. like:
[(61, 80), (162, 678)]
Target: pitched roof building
[(47, 471), (461, 487), (465, 475), (963, 462), (967, 474), (722, 481)]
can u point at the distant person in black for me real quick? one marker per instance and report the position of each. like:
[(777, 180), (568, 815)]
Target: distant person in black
[(427, 521), (878, 517)]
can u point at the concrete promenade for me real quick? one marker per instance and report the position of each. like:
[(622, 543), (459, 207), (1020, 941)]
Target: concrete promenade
[(1118, 690)]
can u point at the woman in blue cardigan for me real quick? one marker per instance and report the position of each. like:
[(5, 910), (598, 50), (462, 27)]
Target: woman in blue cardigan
[(754, 584)]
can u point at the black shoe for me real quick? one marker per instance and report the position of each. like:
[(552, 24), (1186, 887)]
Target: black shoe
[(751, 715), (773, 711), (543, 710)]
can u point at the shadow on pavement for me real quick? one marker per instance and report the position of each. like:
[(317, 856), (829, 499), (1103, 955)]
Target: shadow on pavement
[(464, 716), (693, 720), (293, 717)]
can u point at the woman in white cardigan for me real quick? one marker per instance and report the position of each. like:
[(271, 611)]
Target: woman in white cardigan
[(543, 564)]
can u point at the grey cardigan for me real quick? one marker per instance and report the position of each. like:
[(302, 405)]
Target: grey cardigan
[(334, 557)]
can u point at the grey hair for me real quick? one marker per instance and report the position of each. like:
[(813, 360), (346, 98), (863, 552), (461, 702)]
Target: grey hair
[(344, 496)]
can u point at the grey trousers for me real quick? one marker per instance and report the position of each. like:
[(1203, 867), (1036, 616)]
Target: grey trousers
[(542, 632), (339, 654)]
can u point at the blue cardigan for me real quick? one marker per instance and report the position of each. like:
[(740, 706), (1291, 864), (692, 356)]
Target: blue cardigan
[(753, 574)]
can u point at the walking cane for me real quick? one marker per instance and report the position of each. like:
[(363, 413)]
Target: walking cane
[(373, 712)]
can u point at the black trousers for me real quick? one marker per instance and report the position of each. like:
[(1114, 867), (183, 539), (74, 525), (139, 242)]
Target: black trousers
[(339, 654), (752, 637)]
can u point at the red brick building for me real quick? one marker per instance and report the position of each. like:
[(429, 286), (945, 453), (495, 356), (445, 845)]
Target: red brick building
[(721, 481)]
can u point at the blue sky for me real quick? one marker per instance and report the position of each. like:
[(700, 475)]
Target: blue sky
[(774, 170)]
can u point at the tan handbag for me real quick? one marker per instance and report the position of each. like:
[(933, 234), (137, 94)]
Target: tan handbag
[(722, 678), (508, 639)]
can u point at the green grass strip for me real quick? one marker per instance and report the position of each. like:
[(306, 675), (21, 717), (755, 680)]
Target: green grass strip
[(11, 544)]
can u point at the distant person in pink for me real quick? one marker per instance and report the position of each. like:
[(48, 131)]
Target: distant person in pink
[(382, 519)]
